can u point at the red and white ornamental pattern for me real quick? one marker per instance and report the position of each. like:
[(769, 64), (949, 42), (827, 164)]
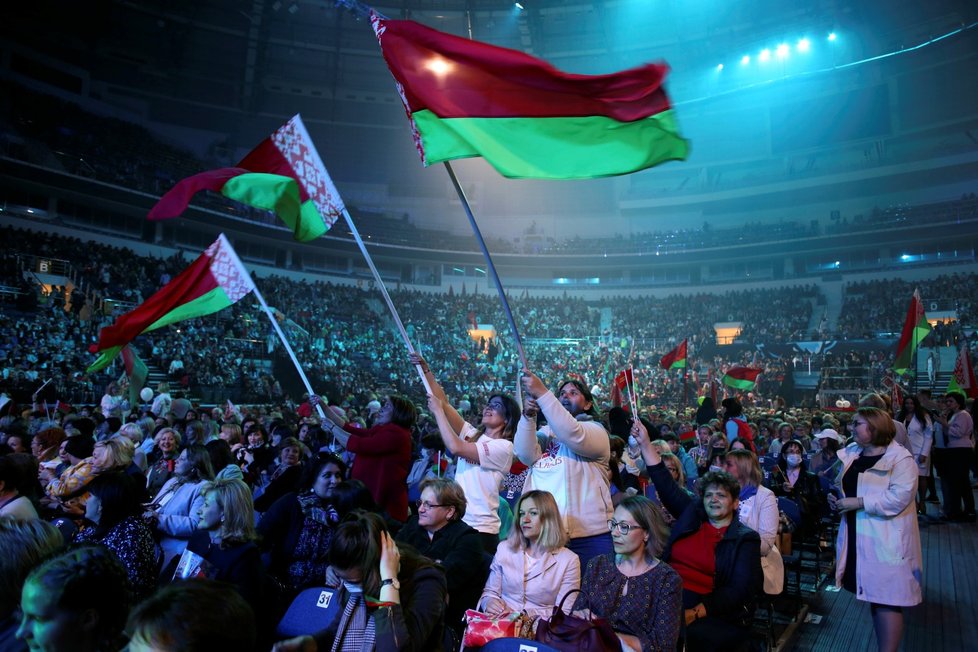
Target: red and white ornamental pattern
[(227, 270), (293, 142)]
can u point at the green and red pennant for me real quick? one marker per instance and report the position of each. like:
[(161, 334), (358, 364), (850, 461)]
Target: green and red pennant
[(675, 359), (526, 118), (283, 174), (915, 329), (136, 372), (743, 378), (213, 282)]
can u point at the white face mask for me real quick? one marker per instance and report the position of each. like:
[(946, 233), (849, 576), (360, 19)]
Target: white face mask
[(793, 460), (352, 587), (714, 468)]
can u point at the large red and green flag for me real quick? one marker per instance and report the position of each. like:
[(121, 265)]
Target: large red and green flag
[(915, 329), (963, 377), (136, 372), (675, 359), (743, 378), (213, 282), (526, 118), (283, 174)]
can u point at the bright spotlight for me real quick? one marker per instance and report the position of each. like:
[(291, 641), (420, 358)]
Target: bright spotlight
[(764, 55), (744, 60), (438, 66), (832, 36), (804, 45), (719, 67), (783, 50), (518, 6)]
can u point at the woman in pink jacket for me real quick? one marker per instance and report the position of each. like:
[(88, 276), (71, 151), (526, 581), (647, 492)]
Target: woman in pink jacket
[(878, 554)]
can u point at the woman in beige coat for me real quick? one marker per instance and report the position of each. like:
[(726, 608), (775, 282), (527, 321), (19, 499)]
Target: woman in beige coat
[(878, 554)]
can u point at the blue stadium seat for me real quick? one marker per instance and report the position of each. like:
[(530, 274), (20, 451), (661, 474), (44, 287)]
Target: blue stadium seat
[(312, 611), (516, 645)]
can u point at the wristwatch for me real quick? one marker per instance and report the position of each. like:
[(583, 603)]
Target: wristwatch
[(391, 582)]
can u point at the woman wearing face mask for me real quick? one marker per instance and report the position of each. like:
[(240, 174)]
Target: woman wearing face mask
[(639, 594), (174, 510), (792, 479), (532, 570), (484, 454), (393, 598), (298, 528), (383, 452), (878, 554)]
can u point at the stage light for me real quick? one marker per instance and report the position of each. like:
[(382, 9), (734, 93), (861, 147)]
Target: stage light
[(518, 6), (783, 50), (832, 36), (438, 66), (719, 67), (804, 45), (764, 55), (744, 60)]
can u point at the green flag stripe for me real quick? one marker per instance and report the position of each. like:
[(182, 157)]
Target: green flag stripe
[(280, 194), (554, 148), (678, 364), (205, 304), (738, 383)]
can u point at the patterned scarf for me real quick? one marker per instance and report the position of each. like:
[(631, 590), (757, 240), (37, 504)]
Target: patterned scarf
[(312, 508), (356, 629)]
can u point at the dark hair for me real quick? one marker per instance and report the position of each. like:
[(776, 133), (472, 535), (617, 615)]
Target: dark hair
[(220, 453), (619, 421), (511, 413), (585, 392), (918, 411), (649, 517), (732, 407), (23, 545), (720, 479), (195, 432), (958, 397), (356, 544), (11, 474), (198, 615), (119, 495), (80, 446), (313, 469), (88, 578), (200, 462), (404, 413), (352, 495), (256, 426)]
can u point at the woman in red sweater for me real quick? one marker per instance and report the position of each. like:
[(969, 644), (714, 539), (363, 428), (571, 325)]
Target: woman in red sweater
[(383, 453)]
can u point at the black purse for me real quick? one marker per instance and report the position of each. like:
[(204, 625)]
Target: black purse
[(572, 633)]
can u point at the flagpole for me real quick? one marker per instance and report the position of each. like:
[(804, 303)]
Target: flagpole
[(383, 290), (489, 263), (288, 348)]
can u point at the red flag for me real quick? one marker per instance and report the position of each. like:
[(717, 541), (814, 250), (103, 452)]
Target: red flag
[(675, 359), (963, 378), (915, 329), (743, 378)]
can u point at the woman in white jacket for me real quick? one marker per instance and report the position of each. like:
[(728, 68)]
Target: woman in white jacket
[(878, 554), (920, 432), (532, 571), (758, 511)]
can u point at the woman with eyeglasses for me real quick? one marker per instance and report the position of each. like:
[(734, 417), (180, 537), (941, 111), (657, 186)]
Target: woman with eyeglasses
[(717, 556), (484, 455), (878, 555), (633, 588), (532, 570), (439, 533)]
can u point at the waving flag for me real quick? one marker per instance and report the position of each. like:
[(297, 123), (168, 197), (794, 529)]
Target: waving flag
[(213, 282), (283, 174), (963, 377), (523, 116), (743, 378), (675, 359)]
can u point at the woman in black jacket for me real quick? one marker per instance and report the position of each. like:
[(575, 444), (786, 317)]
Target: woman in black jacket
[(791, 479), (719, 589)]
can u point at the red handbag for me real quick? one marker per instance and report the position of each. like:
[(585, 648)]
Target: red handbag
[(573, 633), (480, 628)]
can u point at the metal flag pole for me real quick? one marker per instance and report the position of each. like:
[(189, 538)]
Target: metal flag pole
[(489, 263)]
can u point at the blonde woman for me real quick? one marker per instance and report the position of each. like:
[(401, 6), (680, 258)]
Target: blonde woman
[(532, 570)]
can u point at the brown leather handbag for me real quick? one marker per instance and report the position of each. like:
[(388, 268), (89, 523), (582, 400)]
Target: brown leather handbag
[(572, 633)]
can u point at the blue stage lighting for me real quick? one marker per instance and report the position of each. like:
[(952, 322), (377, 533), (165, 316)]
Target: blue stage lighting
[(744, 60), (804, 45), (783, 50), (719, 67), (832, 36), (764, 55)]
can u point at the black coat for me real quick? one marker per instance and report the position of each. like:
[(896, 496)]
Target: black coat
[(738, 579)]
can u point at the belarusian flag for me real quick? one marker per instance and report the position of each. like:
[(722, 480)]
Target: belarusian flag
[(625, 382), (284, 174), (136, 372), (963, 378), (214, 281), (526, 118), (675, 359), (741, 377), (915, 329)]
